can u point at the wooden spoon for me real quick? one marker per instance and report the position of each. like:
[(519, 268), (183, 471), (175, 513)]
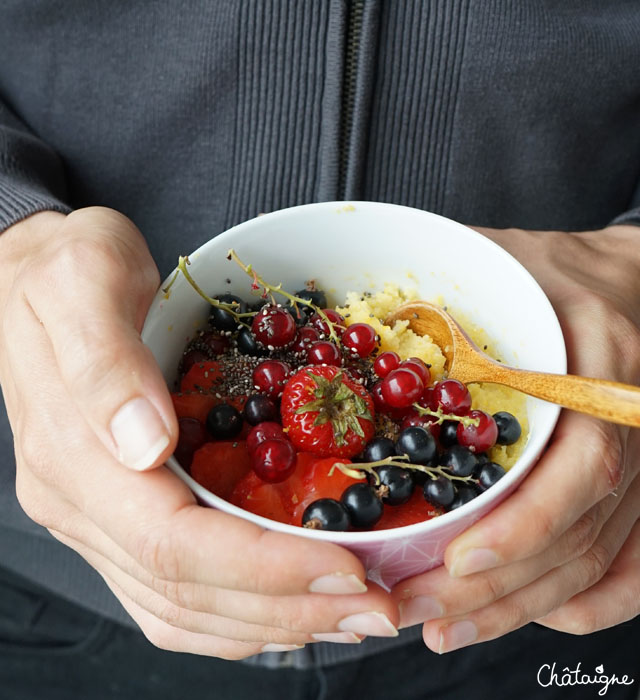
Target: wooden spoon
[(611, 401)]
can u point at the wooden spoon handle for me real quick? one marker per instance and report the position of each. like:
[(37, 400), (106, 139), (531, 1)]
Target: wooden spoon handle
[(611, 401)]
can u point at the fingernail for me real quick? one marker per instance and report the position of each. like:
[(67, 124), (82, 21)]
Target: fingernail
[(472, 561), (281, 647), (370, 624), (419, 609), (139, 433), (457, 635), (338, 637), (337, 584)]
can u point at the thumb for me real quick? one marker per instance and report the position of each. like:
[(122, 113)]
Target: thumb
[(92, 294)]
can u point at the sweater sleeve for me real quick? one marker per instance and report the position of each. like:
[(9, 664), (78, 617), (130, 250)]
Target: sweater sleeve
[(632, 216), (31, 173)]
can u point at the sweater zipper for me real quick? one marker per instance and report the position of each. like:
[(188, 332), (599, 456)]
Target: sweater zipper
[(355, 10)]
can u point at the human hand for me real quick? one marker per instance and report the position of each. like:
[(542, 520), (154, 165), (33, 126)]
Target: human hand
[(564, 549), (93, 420)]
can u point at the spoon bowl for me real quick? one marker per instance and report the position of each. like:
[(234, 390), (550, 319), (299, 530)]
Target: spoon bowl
[(464, 361)]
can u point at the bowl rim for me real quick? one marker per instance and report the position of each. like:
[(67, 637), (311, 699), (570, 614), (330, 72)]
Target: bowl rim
[(433, 525)]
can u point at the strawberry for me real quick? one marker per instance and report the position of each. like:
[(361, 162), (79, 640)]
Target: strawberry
[(314, 481), (219, 466), (326, 412), (415, 510), (260, 498), (202, 377)]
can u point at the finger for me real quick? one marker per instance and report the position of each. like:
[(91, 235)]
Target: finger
[(543, 595), (582, 465), (311, 614), (165, 636), (153, 516), (611, 601), (436, 594), (179, 617), (91, 294)]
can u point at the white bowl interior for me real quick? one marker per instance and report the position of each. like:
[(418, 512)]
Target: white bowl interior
[(361, 246)]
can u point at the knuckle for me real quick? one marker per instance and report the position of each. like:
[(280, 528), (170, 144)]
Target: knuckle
[(170, 614), (495, 587), (157, 553), (584, 621), (582, 534), (516, 614), (605, 443), (595, 563)]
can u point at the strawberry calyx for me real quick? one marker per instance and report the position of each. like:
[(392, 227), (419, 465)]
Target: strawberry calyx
[(337, 404)]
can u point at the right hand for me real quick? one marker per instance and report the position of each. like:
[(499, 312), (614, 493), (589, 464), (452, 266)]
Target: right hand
[(93, 422)]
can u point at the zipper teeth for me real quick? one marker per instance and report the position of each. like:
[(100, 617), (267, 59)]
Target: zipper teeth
[(354, 29)]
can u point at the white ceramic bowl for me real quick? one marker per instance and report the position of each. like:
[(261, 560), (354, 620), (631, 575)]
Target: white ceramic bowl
[(349, 246)]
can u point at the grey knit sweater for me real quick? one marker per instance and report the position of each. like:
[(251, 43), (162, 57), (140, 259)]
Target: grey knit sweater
[(191, 117)]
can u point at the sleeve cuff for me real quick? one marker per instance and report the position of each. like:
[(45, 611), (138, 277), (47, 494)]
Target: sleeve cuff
[(18, 201)]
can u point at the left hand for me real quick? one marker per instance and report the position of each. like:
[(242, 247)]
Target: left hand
[(564, 549)]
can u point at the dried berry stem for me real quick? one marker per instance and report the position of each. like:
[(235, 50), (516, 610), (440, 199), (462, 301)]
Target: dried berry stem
[(362, 469), (442, 416), (258, 282)]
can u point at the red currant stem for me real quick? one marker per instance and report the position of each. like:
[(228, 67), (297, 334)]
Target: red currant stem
[(277, 289), (183, 261), (442, 416), (397, 461)]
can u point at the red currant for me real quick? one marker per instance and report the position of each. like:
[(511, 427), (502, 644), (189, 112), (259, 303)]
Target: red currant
[(478, 438), (270, 376), (334, 317), (274, 460), (453, 396), (419, 367), (386, 362), (306, 336), (322, 352), (360, 339), (401, 388), (427, 400), (273, 326), (215, 342), (191, 358), (413, 419), (267, 430), (378, 400)]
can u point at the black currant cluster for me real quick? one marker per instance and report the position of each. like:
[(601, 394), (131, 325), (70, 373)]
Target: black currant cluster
[(449, 477)]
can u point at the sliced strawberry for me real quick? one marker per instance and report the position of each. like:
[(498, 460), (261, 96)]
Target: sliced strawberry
[(193, 405), (220, 465), (314, 482), (260, 498), (203, 377), (415, 510)]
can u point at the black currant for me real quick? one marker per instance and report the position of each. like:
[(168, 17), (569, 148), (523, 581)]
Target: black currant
[(439, 491), (396, 484), (316, 297), (509, 429), (363, 505), (448, 433), (260, 408), (377, 449), (300, 313), (224, 421), (464, 494), (459, 460), (489, 474), (248, 345), (326, 514), (418, 444), (223, 320)]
